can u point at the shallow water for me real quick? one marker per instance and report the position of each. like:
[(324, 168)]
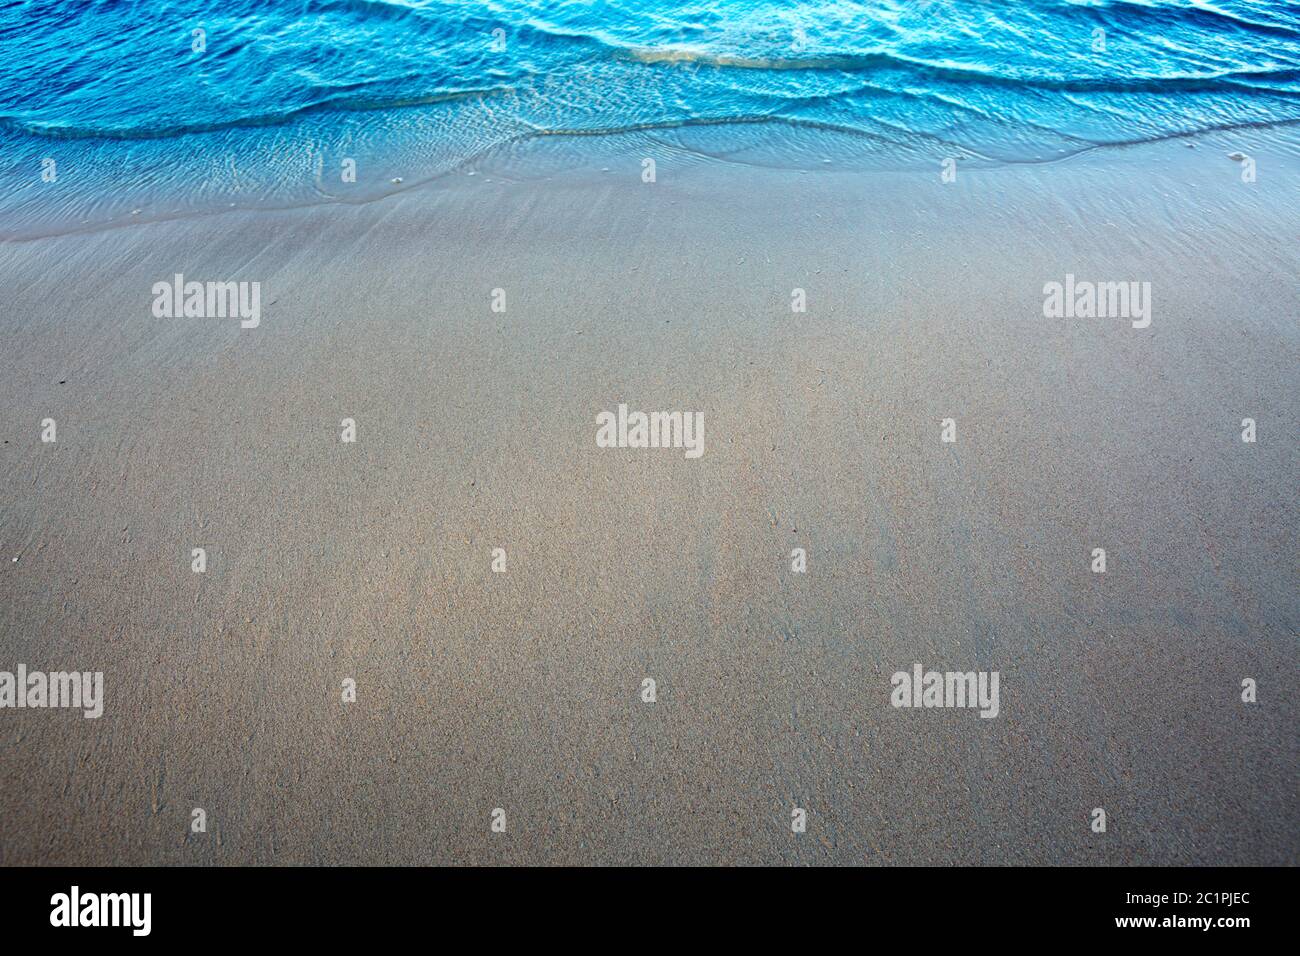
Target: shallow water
[(144, 116)]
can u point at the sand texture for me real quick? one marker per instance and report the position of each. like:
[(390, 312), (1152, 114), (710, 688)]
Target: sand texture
[(476, 430)]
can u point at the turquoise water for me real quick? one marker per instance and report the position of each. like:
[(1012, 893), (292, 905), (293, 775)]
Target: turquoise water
[(281, 94)]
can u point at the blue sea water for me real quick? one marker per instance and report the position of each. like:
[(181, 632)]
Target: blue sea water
[(136, 112)]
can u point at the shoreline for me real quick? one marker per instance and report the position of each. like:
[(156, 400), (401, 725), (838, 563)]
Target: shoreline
[(543, 158)]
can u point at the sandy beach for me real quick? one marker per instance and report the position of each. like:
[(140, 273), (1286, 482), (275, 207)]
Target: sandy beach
[(475, 690)]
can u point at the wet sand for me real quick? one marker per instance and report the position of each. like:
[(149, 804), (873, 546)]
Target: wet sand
[(476, 430)]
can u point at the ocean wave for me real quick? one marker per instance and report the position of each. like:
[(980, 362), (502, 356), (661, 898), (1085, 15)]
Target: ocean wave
[(122, 92)]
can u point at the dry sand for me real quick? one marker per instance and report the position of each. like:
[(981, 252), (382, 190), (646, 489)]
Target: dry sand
[(520, 690)]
